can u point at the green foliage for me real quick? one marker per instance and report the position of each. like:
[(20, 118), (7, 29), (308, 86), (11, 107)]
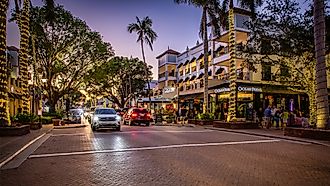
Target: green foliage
[(54, 115), (46, 120), (65, 50), (205, 116), (25, 118), (118, 79)]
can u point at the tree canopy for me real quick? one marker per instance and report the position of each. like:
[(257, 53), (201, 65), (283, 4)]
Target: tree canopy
[(118, 80), (282, 36), (65, 50)]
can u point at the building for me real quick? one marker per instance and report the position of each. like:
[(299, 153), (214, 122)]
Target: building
[(255, 90)]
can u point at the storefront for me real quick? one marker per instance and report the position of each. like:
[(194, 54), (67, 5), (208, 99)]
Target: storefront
[(256, 97)]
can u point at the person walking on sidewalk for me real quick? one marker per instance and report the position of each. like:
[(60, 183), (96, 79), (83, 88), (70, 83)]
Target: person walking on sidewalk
[(268, 115), (277, 118)]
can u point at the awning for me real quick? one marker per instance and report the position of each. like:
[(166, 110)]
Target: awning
[(187, 79), (180, 80), (200, 75), (192, 78), (179, 65), (219, 71), (185, 63), (192, 60), (219, 48), (200, 56)]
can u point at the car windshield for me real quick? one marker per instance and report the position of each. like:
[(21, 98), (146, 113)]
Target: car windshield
[(105, 111)]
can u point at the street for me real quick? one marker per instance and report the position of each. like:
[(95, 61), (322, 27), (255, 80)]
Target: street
[(169, 155)]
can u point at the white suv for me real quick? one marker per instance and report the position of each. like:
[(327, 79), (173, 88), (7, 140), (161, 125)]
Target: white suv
[(105, 118)]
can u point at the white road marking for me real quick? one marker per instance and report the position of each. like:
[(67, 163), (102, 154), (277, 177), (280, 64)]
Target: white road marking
[(20, 150), (150, 148), (69, 134)]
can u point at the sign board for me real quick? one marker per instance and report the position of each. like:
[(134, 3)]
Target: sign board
[(240, 89), (221, 90), (169, 90)]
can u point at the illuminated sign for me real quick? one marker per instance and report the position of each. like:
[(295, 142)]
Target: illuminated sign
[(240, 89), (221, 90), (249, 89), (169, 90)]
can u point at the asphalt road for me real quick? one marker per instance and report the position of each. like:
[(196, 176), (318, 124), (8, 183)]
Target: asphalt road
[(164, 155)]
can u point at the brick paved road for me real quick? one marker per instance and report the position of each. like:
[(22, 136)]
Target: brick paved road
[(269, 163)]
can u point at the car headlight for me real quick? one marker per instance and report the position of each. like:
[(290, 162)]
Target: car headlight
[(118, 118), (96, 118)]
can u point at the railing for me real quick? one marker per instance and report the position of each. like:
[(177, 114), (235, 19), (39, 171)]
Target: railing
[(181, 88), (187, 87)]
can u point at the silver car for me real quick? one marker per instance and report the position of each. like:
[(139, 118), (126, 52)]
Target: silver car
[(105, 118)]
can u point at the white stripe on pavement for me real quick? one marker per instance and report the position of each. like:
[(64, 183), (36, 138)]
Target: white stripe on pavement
[(151, 148)]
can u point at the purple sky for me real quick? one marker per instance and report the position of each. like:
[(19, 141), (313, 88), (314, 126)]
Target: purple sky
[(176, 25)]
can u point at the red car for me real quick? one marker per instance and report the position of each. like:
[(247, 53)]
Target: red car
[(137, 116)]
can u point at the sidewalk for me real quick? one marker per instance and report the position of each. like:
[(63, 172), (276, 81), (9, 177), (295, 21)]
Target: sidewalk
[(272, 133), (11, 144)]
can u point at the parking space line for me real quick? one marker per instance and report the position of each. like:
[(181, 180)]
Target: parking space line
[(150, 148), (158, 131)]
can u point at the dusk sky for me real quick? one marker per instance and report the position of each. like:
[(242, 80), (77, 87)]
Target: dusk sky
[(176, 25)]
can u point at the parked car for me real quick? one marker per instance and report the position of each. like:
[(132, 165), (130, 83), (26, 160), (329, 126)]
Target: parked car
[(74, 115), (137, 116), (105, 118)]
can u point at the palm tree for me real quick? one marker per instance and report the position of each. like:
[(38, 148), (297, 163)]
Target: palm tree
[(145, 35), (211, 10), (4, 107), (251, 4), (322, 102), (22, 17)]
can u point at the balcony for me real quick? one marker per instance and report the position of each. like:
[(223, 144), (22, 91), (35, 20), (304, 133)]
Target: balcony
[(221, 58), (187, 71), (172, 74), (193, 69)]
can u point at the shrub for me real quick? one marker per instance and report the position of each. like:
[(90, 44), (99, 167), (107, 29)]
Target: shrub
[(54, 115), (25, 118), (46, 120), (205, 116)]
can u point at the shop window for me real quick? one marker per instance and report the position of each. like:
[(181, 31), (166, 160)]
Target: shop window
[(266, 72)]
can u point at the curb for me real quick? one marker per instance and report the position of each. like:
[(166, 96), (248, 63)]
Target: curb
[(19, 151), (70, 127), (269, 135)]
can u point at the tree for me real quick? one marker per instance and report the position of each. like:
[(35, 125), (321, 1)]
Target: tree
[(65, 50), (210, 9), (4, 106), (322, 101), (276, 39), (251, 4), (118, 79), (145, 35)]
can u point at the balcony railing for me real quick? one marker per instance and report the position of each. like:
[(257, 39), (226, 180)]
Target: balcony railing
[(181, 88), (193, 69)]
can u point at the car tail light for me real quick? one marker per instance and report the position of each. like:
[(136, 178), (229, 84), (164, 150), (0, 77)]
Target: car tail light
[(149, 115), (134, 115)]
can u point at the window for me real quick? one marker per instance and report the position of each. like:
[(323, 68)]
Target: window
[(266, 72), (171, 58), (193, 68), (181, 72), (105, 111), (241, 21), (201, 65), (285, 71), (201, 84)]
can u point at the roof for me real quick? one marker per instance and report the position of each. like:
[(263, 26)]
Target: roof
[(169, 51)]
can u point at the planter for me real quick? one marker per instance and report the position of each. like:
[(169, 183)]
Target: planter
[(56, 122), (203, 122), (318, 134), (15, 131), (35, 126), (236, 125)]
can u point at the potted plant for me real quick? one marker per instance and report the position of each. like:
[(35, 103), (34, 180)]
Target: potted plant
[(205, 119), (27, 119)]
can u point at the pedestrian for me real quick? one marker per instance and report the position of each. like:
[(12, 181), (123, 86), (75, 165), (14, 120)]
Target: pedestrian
[(259, 116), (267, 117), (277, 118), (285, 117)]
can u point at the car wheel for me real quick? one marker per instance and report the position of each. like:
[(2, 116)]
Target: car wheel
[(130, 123), (93, 128), (148, 124), (124, 122)]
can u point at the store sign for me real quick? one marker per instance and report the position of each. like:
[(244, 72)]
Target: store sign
[(168, 90), (219, 90), (249, 89)]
